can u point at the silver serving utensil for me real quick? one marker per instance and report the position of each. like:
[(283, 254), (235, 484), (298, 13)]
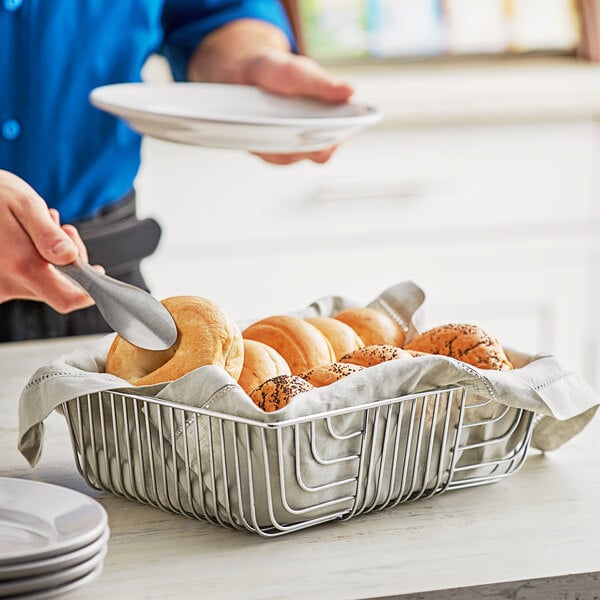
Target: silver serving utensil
[(134, 314)]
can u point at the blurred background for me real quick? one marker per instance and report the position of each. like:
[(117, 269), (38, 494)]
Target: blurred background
[(480, 184), (343, 30)]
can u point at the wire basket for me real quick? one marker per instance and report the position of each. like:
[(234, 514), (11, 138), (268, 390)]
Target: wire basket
[(275, 478)]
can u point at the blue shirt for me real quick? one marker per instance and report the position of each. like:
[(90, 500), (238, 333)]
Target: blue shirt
[(54, 52)]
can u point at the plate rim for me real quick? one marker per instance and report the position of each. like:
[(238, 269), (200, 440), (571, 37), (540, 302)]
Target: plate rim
[(67, 587), (372, 115), (40, 583), (56, 563), (68, 545)]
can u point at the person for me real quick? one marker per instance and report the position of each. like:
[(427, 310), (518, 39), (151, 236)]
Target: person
[(67, 169)]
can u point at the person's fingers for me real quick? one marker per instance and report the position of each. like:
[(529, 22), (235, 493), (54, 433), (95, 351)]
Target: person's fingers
[(62, 305), (50, 240), (62, 294), (73, 233), (290, 75), (45, 283), (322, 156), (30, 241), (278, 159), (55, 216)]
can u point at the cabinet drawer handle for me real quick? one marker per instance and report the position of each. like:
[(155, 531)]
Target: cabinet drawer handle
[(346, 191)]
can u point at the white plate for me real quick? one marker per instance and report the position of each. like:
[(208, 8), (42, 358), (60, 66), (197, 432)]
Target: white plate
[(40, 520), (63, 589), (54, 563), (51, 580), (232, 116)]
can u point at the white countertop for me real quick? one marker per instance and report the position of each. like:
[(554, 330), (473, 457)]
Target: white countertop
[(478, 90), (541, 524)]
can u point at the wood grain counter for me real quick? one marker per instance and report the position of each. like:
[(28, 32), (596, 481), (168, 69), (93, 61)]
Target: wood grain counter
[(533, 535)]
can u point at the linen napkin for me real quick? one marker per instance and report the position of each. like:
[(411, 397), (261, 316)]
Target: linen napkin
[(562, 401)]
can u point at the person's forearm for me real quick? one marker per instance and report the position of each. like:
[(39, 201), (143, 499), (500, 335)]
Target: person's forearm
[(222, 56)]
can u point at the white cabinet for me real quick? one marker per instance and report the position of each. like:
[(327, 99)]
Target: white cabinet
[(437, 182), (497, 222)]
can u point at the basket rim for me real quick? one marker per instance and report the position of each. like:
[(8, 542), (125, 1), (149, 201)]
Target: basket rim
[(451, 389)]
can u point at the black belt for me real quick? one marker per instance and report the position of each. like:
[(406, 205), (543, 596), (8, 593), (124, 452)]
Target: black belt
[(116, 239)]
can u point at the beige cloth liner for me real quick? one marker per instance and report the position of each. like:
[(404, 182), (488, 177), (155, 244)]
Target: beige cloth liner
[(563, 402)]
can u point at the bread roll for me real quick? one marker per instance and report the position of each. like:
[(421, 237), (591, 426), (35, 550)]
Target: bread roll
[(301, 344), (342, 337), (416, 353), (373, 326), (468, 343), (275, 393), (261, 362), (370, 356), (327, 374), (205, 336)]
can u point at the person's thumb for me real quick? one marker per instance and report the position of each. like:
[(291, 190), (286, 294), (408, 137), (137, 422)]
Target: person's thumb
[(20, 202), (48, 237), (59, 249)]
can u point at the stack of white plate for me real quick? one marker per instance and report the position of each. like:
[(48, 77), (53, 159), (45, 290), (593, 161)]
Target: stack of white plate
[(52, 539)]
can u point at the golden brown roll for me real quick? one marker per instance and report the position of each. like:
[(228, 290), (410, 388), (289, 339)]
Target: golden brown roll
[(468, 343), (342, 337), (374, 355), (275, 393), (415, 353), (261, 362), (373, 326), (205, 336), (326, 374), (301, 344)]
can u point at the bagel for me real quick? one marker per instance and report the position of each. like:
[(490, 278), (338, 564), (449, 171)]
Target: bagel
[(301, 344), (342, 337), (373, 326), (374, 355), (261, 362), (468, 343), (326, 374), (205, 336), (275, 393)]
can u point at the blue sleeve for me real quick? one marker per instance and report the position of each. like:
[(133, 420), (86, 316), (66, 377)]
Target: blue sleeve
[(186, 24)]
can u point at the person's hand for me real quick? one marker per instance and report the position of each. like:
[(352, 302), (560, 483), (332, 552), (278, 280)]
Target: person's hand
[(252, 52), (32, 240), (285, 73)]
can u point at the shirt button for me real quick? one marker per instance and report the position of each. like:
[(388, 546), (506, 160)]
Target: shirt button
[(11, 129), (12, 5)]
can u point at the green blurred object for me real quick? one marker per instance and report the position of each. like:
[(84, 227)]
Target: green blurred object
[(347, 30), (334, 29)]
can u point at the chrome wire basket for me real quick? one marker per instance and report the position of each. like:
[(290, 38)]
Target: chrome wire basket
[(275, 478)]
